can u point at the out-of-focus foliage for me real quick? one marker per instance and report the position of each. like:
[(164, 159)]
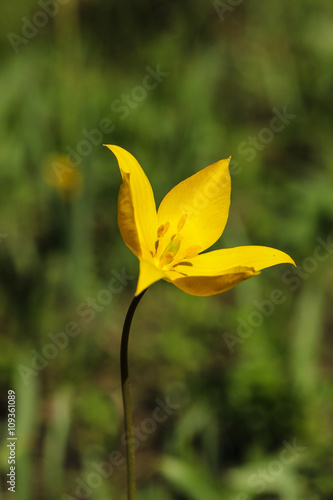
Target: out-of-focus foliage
[(232, 394)]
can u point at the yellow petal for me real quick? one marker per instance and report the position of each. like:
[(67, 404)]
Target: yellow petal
[(126, 220), (203, 286), (213, 263), (198, 207), (148, 275), (218, 271), (136, 205)]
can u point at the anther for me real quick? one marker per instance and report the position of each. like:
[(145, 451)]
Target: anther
[(163, 229), (192, 251), (181, 222)]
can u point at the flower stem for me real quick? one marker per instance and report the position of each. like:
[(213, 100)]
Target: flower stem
[(130, 451)]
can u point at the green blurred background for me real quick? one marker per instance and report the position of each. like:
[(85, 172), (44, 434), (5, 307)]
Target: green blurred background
[(244, 377)]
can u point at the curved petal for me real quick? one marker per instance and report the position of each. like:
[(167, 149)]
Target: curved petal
[(126, 220), (203, 286), (148, 275), (218, 271), (219, 261), (198, 207), (136, 205)]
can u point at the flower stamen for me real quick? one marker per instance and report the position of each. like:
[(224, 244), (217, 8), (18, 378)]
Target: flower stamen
[(162, 230), (192, 251), (181, 222), (189, 253)]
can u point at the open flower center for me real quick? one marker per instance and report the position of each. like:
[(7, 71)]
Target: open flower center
[(168, 254)]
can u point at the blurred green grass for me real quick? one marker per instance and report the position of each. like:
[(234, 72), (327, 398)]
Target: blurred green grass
[(222, 80)]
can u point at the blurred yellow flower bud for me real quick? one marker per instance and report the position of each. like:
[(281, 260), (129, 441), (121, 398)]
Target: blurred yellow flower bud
[(59, 172)]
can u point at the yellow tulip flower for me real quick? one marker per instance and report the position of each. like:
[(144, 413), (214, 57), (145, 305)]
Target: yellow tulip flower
[(191, 217)]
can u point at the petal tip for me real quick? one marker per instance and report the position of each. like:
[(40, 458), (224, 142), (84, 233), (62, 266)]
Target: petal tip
[(289, 260), (110, 146)]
